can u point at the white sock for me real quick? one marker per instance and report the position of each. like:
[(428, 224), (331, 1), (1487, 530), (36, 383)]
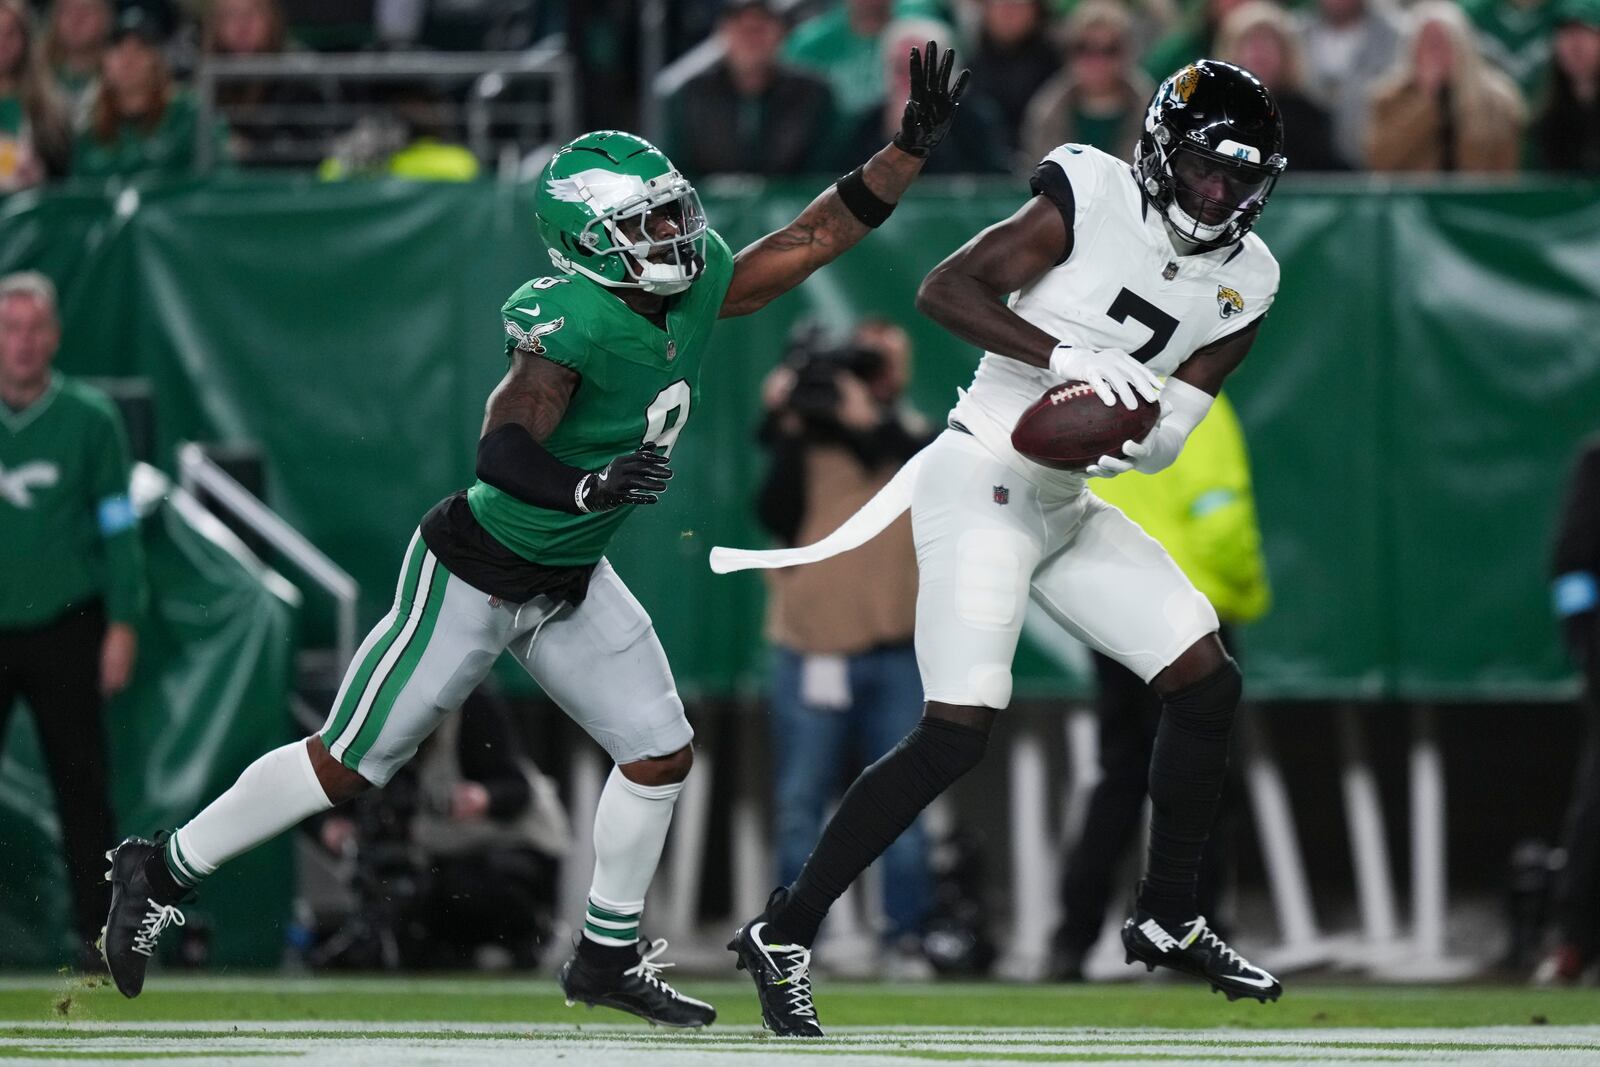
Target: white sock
[(275, 792), (630, 829)]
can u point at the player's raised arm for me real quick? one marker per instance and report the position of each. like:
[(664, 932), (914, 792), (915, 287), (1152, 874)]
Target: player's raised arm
[(522, 412), (860, 201)]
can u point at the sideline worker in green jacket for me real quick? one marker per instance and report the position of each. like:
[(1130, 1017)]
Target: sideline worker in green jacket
[(71, 577), (1202, 511)]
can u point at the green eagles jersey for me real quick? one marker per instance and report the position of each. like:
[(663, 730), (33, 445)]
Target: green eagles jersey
[(640, 384), (68, 532)]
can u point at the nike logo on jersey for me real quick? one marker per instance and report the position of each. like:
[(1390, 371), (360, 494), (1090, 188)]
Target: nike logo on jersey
[(532, 312), (16, 486)]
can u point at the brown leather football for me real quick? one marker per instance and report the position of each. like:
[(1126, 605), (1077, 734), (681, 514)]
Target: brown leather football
[(1069, 427)]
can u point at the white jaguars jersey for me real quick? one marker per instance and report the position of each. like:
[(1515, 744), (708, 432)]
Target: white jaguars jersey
[(1122, 286)]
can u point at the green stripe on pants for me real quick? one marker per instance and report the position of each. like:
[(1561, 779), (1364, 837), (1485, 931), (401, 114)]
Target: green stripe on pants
[(597, 912), (358, 681), (395, 682)]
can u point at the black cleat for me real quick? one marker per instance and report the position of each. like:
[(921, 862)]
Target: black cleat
[(635, 990), (1199, 952), (128, 939), (782, 974)]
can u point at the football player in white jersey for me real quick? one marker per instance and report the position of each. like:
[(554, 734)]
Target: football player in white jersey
[(1116, 275)]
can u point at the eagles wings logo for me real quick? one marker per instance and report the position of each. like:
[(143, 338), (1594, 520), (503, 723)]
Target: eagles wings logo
[(1229, 302), (528, 340), (18, 483), (1185, 82)]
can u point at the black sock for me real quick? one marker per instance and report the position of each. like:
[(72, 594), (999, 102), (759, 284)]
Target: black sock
[(165, 888), (1187, 767), (607, 957), (875, 810)]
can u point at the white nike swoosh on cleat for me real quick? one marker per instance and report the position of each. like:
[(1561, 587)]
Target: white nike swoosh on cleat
[(1260, 983)]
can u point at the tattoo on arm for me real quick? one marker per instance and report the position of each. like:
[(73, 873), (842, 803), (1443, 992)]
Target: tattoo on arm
[(534, 394), (821, 233)]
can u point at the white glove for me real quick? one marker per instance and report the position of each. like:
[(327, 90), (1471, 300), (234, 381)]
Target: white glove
[(1110, 372), (1182, 408)]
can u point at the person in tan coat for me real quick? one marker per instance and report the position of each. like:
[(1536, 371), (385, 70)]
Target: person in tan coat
[(1100, 95), (845, 684), (1442, 107)]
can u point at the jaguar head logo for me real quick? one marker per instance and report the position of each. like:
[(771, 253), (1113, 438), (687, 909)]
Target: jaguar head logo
[(1184, 82), (1229, 302)]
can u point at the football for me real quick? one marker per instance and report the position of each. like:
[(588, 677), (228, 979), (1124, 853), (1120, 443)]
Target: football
[(1069, 427)]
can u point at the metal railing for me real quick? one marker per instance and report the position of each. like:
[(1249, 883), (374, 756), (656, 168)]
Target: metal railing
[(197, 470), (492, 123)]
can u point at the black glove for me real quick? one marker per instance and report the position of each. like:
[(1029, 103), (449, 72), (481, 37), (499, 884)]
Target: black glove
[(640, 477), (931, 107)]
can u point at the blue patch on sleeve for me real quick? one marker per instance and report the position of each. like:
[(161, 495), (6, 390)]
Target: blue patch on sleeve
[(1574, 593), (116, 514)]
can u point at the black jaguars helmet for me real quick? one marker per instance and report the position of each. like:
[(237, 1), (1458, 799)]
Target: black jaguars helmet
[(1211, 151)]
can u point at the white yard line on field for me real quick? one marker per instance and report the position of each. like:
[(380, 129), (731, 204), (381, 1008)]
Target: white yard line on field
[(324, 1043)]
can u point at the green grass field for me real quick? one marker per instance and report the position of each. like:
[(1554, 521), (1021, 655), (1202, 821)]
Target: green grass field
[(350, 1021)]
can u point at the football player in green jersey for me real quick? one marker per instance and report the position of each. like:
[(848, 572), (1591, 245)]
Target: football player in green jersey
[(604, 373)]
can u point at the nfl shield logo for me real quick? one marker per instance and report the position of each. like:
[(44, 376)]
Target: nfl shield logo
[(1002, 495)]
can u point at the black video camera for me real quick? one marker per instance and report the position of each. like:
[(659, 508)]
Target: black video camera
[(817, 362)]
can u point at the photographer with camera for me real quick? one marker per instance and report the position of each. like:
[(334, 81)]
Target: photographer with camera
[(455, 864), (845, 686)]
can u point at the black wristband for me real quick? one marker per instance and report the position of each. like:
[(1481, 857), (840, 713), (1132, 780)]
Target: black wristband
[(514, 463), (862, 202)]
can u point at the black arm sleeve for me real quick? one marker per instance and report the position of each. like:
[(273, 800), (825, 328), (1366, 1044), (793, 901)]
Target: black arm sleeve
[(1050, 181), (513, 462), (487, 753), (892, 440), (781, 503)]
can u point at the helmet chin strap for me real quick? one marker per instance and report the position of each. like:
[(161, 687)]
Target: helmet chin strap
[(1186, 230), (664, 279)]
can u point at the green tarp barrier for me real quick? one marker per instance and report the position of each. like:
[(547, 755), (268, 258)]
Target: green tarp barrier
[(1412, 404), (209, 695)]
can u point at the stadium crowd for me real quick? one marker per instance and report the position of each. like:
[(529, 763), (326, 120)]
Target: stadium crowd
[(99, 88)]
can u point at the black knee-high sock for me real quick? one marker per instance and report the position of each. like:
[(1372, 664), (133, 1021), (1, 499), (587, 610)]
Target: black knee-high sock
[(875, 810), (1187, 768)]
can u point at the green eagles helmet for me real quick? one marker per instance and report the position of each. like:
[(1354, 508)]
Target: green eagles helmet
[(613, 208)]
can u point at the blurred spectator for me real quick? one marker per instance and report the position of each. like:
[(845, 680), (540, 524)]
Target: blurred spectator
[(1195, 38), (1099, 99), (257, 130), (1261, 38), (845, 686), (1014, 58), (139, 121), (407, 140), (842, 46), (1577, 604), (1443, 108), (1349, 44), (35, 135), (1202, 510), (76, 37), (1566, 134), (1515, 36), (458, 855), (976, 141), (750, 114), (71, 579)]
